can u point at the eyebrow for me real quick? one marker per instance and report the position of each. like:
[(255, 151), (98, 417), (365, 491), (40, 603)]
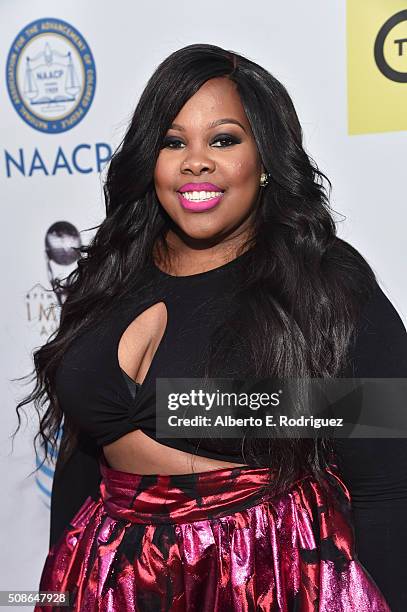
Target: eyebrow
[(176, 126)]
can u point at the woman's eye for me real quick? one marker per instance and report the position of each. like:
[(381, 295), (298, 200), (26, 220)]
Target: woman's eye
[(169, 142), (174, 143), (230, 140)]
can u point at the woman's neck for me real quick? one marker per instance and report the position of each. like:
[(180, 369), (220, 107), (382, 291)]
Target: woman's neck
[(184, 259)]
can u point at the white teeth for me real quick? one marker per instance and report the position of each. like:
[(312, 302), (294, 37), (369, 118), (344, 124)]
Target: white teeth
[(201, 195)]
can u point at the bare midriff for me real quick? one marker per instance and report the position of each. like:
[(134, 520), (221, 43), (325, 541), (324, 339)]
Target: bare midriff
[(137, 453)]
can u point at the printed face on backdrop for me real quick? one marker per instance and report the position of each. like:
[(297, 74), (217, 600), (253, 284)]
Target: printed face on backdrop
[(222, 161)]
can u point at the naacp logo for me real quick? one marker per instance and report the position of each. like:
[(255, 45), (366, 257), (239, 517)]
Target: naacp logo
[(390, 49), (51, 75)]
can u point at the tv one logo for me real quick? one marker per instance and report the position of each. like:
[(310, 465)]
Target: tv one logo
[(51, 75), (377, 66), (390, 48)]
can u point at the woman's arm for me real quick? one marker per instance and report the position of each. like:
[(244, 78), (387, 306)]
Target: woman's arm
[(72, 484), (375, 470)]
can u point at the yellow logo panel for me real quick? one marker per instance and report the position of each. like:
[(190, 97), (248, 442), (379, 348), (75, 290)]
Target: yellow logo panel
[(377, 65)]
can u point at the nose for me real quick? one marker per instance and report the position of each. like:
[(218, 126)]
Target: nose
[(197, 164)]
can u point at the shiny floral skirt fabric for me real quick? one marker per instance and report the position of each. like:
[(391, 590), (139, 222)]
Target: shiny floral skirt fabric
[(212, 541)]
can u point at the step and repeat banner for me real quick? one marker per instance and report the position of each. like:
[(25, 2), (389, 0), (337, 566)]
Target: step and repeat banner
[(71, 76)]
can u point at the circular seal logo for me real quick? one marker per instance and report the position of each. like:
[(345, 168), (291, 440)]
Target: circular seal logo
[(391, 60), (51, 75)]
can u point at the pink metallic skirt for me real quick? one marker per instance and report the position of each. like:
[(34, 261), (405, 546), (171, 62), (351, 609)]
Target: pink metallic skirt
[(211, 541)]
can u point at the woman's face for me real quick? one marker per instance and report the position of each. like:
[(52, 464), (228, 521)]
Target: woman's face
[(195, 151)]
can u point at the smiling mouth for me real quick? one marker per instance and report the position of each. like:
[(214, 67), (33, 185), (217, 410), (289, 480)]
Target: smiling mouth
[(200, 196), (199, 201)]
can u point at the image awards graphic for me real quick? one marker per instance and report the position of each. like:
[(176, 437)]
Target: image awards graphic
[(51, 75), (62, 243)]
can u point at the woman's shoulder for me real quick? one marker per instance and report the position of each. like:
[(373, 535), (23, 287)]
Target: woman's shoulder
[(378, 348), (380, 345), (379, 314), (377, 309)]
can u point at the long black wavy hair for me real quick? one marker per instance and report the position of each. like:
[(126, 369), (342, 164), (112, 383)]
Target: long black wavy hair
[(304, 286)]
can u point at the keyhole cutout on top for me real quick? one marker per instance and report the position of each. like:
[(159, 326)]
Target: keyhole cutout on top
[(139, 342)]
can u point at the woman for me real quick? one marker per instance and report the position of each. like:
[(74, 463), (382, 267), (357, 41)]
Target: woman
[(218, 257)]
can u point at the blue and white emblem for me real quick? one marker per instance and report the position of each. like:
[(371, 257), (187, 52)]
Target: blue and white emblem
[(51, 75)]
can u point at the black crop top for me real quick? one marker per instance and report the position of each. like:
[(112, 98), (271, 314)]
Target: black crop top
[(105, 403)]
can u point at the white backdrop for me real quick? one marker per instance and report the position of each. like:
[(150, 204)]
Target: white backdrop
[(301, 43)]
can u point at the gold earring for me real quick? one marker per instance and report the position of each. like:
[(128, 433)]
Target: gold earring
[(264, 179)]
